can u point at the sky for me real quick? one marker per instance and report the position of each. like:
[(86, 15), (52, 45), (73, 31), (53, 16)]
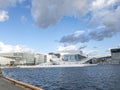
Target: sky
[(90, 27)]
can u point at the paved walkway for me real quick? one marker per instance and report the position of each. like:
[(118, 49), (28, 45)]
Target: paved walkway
[(5, 85)]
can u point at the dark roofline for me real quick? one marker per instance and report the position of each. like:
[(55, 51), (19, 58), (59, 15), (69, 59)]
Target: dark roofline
[(115, 50)]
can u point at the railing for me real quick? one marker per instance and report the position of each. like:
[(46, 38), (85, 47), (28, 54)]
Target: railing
[(25, 85)]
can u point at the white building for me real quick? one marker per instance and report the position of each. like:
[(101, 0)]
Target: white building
[(73, 57), (6, 61), (53, 57), (40, 58), (16, 58)]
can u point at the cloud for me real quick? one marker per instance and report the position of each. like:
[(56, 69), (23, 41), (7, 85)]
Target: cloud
[(67, 48), (100, 4), (105, 20), (76, 37), (49, 12), (105, 13), (104, 17), (82, 47), (71, 49), (4, 48), (3, 15), (7, 3)]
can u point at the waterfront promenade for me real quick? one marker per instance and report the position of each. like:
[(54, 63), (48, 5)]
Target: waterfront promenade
[(11, 84), (6, 85)]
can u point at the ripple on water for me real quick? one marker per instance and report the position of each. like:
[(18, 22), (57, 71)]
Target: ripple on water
[(101, 77)]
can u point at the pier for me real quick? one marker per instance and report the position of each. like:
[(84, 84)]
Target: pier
[(11, 84), (5, 85)]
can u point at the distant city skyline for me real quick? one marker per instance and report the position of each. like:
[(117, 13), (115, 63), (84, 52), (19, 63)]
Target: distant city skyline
[(43, 26)]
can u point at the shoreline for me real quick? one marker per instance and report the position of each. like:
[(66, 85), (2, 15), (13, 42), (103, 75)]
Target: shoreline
[(49, 66), (52, 66)]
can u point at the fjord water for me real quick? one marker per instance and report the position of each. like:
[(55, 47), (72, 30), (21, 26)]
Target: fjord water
[(100, 77)]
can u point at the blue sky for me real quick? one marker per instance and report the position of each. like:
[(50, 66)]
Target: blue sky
[(92, 26)]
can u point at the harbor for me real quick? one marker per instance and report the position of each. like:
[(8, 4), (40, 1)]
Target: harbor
[(51, 72), (98, 77), (59, 45)]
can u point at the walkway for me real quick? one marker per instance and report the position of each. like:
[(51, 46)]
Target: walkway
[(5, 85)]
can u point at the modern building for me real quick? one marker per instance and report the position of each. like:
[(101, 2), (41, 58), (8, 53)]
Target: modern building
[(115, 54), (73, 57), (24, 58), (6, 61), (54, 56), (17, 58), (100, 60), (113, 59), (40, 58)]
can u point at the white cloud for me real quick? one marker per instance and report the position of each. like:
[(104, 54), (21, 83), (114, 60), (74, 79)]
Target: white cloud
[(101, 27), (105, 18), (100, 4), (4, 48), (78, 33), (3, 15), (102, 9), (71, 49), (66, 48), (105, 13), (5, 4), (49, 12)]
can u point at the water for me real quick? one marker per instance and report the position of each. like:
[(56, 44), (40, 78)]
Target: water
[(101, 77)]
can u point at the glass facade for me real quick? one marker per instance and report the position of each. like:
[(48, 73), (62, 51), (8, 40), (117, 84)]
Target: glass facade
[(73, 57)]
